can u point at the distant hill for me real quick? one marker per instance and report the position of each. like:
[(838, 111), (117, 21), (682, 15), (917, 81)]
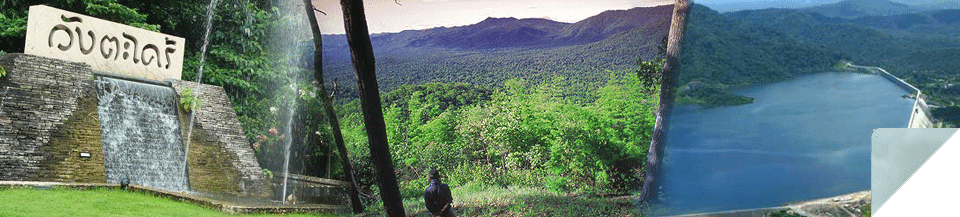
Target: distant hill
[(860, 8), (944, 23), (497, 49), (512, 32), (608, 23), (723, 51)]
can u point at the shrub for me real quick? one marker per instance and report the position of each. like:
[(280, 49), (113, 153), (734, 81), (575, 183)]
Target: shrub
[(187, 99), (267, 173)]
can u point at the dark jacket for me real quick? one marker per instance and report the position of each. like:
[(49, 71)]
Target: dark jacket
[(436, 197)]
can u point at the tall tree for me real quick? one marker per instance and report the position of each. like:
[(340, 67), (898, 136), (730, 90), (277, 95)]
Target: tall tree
[(328, 107), (667, 83), (361, 51)]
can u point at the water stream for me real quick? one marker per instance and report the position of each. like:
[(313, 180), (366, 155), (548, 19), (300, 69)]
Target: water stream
[(288, 139), (286, 39), (196, 87)]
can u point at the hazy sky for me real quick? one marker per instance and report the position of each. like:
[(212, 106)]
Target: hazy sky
[(736, 5), (387, 16)]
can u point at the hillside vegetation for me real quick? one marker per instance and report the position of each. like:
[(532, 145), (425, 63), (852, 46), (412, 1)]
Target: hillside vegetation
[(498, 49), (518, 135)]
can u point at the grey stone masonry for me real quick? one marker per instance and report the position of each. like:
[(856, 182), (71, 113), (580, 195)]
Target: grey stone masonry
[(217, 118), (37, 95)]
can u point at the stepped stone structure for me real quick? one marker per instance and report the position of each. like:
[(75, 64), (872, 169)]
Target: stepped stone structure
[(94, 102), (50, 130), (47, 120), (216, 124)]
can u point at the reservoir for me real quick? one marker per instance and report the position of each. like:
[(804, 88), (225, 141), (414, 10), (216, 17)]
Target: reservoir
[(800, 139)]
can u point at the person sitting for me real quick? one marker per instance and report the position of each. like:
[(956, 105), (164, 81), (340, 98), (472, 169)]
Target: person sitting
[(437, 196)]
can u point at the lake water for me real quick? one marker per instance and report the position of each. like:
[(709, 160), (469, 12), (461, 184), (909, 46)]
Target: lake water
[(800, 139)]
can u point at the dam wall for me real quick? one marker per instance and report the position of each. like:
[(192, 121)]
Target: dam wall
[(900, 82), (920, 116)]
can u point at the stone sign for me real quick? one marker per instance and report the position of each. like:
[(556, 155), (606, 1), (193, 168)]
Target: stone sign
[(106, 46)]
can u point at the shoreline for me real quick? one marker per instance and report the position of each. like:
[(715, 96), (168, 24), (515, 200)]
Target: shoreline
[(841, 205)]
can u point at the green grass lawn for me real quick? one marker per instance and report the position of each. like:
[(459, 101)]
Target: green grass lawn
[(521, 201), (468, 201), (99, 202)]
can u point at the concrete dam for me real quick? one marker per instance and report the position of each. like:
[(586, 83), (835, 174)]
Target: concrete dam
[(920, 116)]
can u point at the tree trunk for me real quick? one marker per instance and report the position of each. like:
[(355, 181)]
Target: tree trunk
[(670, 69), (361, 52), (328, 108)]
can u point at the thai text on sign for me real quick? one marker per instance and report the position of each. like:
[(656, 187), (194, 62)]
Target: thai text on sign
[(106, 46)]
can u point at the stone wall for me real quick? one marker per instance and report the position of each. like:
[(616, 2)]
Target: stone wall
[(47, 118), (217, 129), (49, 115)]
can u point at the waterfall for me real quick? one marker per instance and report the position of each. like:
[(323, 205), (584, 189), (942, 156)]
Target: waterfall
[(141, 134), (285, 41)]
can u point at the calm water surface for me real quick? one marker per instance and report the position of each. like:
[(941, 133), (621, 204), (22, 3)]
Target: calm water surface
[(800, 139)]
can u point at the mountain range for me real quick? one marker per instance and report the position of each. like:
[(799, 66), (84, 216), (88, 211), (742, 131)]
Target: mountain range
[(859, 8), (497, 49)]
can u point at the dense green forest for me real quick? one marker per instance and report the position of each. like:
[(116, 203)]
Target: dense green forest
[(520, 134), (400, 63), (720, 52)]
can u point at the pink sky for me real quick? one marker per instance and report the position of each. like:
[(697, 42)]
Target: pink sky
[(387, 16)]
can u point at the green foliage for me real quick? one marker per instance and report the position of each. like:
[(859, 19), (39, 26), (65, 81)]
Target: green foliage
[(784, 213), (709, 97), (725, 52), (188, 101), (268, 174), (865, 210), (480, 200), (519, 134), (949, 115), (3, 72), (398, 65), (111, 10), (13, 17), (650, 71)]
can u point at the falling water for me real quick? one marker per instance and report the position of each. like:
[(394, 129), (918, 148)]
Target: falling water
[(286, 39), (141, 134), (288, 138), (196, 87)]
